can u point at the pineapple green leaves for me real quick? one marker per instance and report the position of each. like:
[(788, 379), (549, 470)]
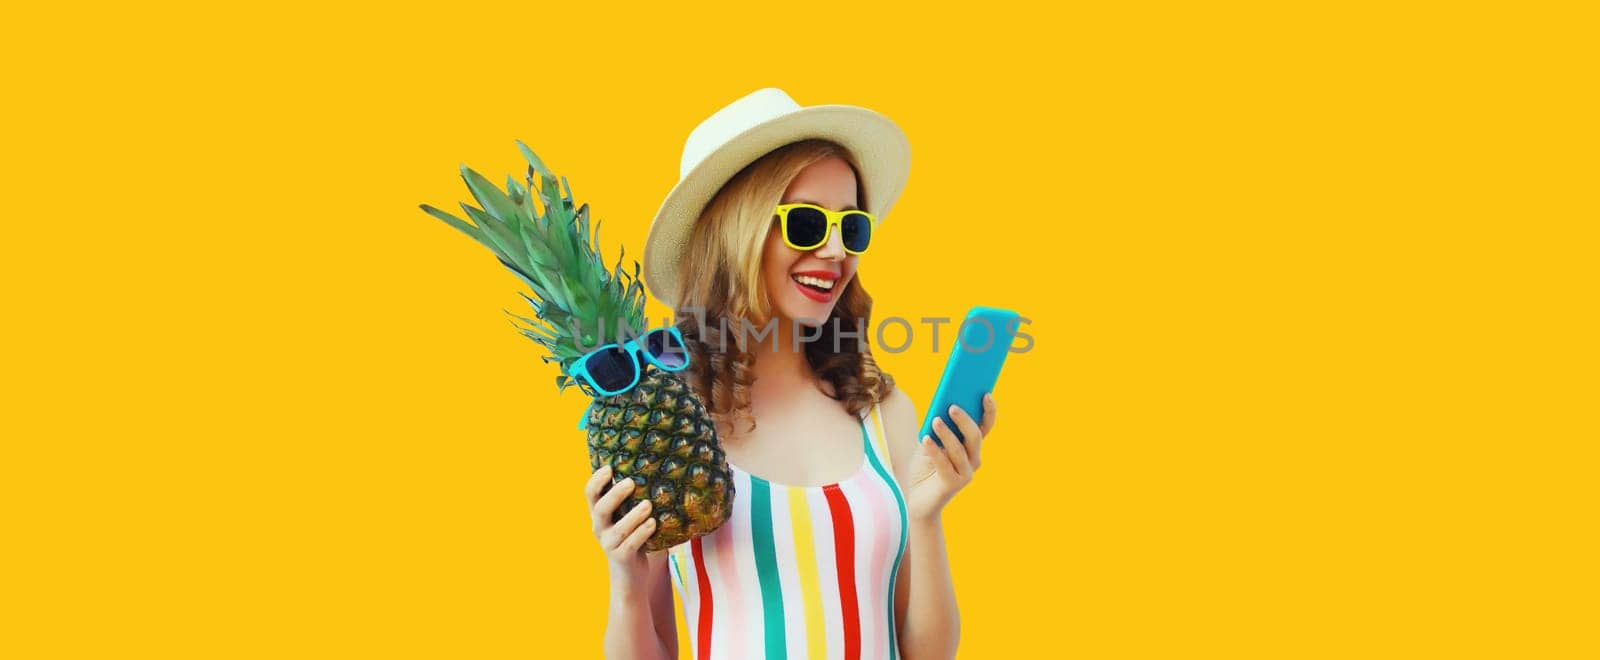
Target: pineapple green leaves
[(577, 302)]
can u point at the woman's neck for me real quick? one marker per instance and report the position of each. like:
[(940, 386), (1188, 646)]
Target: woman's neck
[(779, 371)]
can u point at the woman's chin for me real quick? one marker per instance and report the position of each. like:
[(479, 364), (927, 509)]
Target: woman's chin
[(806, 313)]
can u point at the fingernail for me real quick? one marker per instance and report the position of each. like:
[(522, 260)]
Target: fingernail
[(938, 422), (953, 409), (605, 469)]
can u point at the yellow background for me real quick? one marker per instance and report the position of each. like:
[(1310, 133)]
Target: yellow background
[(1311, 288)]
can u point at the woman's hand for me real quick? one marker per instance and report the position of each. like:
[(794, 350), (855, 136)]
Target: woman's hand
[(938, 472), (620, 541)]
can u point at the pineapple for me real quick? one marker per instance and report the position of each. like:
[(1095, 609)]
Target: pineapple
[(659, 433)]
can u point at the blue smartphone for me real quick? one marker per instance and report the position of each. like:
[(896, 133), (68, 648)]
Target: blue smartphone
[(982, 343)]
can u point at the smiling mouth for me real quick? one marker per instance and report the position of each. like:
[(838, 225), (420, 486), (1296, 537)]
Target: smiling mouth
[(818, 284)]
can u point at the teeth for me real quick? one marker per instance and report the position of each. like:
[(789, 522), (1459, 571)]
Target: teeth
[(826, 285)]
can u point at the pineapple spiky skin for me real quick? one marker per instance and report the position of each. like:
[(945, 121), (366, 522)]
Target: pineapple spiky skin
[(659, 435)]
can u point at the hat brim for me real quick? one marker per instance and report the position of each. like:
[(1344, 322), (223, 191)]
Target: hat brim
[(879, 146)]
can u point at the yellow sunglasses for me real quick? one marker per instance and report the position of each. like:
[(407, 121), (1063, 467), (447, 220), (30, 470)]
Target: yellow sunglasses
[(806, 227)]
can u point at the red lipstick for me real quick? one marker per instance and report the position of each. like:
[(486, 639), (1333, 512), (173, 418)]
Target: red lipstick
[(816, 294)]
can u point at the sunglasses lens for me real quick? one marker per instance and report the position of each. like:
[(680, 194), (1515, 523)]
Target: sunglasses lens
[(856, 231), (807, 227), (611, 368), (666, 349)]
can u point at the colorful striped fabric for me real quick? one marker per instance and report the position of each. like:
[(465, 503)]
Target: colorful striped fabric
[(799, 572)]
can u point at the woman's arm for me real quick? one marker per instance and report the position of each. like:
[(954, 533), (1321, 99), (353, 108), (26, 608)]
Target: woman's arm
[(925, 597), (640, 622), (930, 622), (661, 606)]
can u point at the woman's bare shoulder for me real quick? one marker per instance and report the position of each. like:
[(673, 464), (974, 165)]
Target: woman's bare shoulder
[(900, 429), (897, 410)]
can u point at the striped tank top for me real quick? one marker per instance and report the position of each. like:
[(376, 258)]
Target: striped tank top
[(799, 572)]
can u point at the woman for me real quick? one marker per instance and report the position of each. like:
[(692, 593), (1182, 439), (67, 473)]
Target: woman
[(835, 547)]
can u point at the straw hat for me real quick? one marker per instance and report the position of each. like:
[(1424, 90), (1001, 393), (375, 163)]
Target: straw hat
[(746, 130)]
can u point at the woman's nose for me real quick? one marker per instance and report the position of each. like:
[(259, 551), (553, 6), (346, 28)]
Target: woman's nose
[(833, 250)]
